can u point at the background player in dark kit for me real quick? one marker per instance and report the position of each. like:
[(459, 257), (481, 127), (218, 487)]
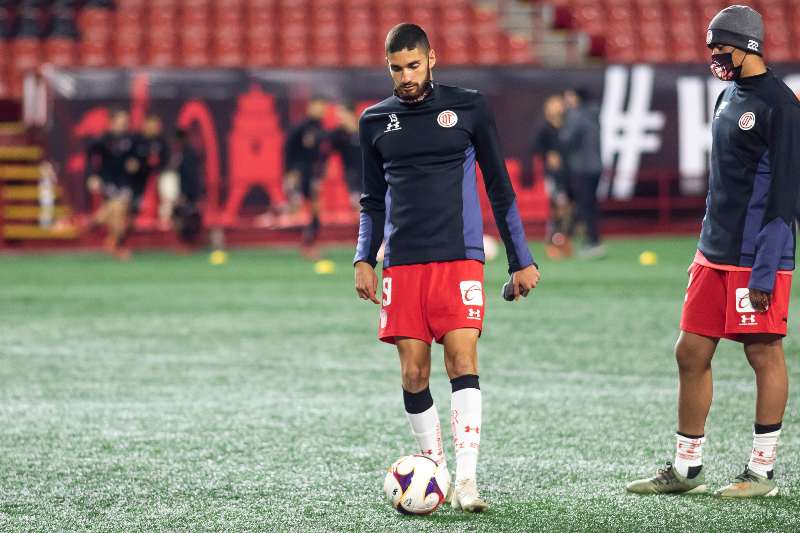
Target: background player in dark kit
[(112, 165), (304, 161), (740, 280), (420, 194)]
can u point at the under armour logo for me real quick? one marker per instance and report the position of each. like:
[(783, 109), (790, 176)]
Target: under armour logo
[(748, 320), (394, 123), (474, 314)]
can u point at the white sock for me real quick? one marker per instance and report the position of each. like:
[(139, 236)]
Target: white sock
[(427, 430), (688, 453), (765, 450), (465, 420)]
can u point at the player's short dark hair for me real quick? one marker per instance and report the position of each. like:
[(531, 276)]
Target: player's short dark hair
[(406, 36)]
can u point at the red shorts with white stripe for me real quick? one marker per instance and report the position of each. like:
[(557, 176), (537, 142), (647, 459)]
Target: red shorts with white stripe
[(718, 304), (428, 300)]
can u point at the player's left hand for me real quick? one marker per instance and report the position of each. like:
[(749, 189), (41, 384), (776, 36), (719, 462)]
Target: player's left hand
[(759, 300), (524, 280)]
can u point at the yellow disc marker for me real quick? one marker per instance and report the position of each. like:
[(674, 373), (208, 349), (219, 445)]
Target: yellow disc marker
[(325, 266), (218, 257), (648, 258)]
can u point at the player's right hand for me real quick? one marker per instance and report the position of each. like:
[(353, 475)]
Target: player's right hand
[(366, 282), (524, 280)]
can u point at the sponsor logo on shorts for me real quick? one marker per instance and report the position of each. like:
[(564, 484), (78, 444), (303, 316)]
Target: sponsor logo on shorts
[(747, 121), (743, 304), (447, 119), (474, 314), (471, 292)]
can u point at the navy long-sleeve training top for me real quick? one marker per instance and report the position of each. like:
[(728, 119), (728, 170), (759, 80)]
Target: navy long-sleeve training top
[(420, 187), (754, 179)]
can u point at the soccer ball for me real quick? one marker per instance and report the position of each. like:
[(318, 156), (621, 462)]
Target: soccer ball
[(416, 484)]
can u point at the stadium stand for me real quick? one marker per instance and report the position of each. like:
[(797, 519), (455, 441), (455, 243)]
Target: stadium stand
[(666, 31), (227, 33)]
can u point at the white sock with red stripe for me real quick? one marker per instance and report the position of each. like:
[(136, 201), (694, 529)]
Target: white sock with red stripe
[(465, 421), (425, 425), (688, 453), (765, 449)]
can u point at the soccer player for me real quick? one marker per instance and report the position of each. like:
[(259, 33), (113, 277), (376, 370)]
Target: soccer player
[(111, 164), (303, 158), (548, 145), (344, 140), (740, 279), (420, 195)]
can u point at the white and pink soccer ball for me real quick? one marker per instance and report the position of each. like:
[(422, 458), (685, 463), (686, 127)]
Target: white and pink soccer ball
[(416, 484)]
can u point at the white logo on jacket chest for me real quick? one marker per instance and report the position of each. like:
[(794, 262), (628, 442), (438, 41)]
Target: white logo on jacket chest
[(720, 109), (447, 119), (394, 123), (747, 121)]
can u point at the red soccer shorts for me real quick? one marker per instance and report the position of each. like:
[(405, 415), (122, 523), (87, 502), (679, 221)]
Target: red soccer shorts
[(428, 300), (718, 304)]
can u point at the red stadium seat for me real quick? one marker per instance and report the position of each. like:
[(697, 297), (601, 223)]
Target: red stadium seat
[(360, 52), (590, 18), (489, 49), (519, 51), (60, 51), (127, 55), (162, 50), (621, 47), (26, 55), (456, 48), (261, 52), (94, 54), (424, 16)]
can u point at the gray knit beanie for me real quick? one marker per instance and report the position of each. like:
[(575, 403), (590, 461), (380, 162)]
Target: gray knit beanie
[(739, 26)]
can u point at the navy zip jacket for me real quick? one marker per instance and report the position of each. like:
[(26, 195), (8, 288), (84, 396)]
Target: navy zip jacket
[(420, 187), (754, 179)]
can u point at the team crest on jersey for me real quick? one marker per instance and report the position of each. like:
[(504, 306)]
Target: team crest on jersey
[(471, 292), (447, 119), (394, 123), (747, 121)]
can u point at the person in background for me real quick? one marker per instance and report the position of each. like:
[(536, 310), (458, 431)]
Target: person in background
[(580, 137), (186, 162), (345, 141), (547, 144), (111, 165), (303, 161), (152, 151)]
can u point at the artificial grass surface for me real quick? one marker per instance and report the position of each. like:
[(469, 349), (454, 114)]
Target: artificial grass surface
[(167, 394)]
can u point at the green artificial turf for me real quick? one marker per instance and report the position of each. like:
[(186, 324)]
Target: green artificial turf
[(167, 394)]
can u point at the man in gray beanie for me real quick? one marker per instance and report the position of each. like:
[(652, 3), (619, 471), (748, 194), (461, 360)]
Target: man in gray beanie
[(740, 279)]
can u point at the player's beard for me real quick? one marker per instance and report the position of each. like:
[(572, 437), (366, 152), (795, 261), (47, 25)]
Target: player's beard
[(420, 90)]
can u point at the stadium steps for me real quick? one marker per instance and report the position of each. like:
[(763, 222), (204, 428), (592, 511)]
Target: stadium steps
[(21, 153), (31, 212), (32, 206), (24, 232), (19, 172)]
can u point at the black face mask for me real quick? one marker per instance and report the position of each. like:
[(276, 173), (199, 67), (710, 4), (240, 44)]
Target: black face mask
[(723, 68)]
